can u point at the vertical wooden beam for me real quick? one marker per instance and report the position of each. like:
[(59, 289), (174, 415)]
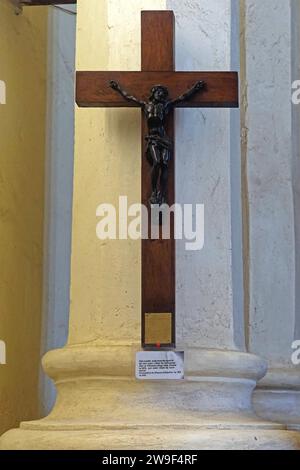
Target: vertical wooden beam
[(158, 256), (158, 41)]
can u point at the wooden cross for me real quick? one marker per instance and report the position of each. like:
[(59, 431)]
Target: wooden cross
[(92, 90), (32, 3)]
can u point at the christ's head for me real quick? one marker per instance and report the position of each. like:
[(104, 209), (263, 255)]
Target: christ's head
[(159, 93)]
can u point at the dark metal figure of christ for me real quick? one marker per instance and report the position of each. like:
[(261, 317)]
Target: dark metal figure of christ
[(159, 146)]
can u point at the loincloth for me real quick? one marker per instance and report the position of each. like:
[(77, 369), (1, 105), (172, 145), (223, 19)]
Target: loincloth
[(163, 142)]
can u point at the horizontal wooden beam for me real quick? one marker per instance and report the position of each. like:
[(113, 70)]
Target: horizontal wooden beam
[(221, 91), (31, 3)]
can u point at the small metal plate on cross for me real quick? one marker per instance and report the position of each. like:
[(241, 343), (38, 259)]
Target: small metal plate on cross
[(158, 330)]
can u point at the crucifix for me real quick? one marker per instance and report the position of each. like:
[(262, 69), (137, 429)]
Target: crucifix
[(46, 2), (157, 89)]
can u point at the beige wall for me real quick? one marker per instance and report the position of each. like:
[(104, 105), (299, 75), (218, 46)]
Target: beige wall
[(105, 276), (22, 155)]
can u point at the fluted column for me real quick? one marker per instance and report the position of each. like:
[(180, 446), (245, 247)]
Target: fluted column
[(271, 152), (100, 404)]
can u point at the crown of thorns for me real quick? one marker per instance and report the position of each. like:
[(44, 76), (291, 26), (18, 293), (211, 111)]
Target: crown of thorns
[(159, 87)]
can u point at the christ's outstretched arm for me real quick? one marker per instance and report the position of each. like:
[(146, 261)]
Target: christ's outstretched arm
[(188, 94), (116, 86)]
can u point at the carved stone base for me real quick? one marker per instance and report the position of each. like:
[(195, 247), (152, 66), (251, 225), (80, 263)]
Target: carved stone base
[(157, 438), (101, 406), (277, 397)]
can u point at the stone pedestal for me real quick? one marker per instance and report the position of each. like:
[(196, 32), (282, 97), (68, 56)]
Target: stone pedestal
[(100, 405), (277, 397)]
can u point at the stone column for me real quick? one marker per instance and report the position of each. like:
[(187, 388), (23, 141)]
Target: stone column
[(59, 184), (100, 404), (271, 155)]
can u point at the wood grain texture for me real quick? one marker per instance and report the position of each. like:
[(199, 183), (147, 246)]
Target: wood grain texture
[(158, 256), (221, 91), (158, 41)]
